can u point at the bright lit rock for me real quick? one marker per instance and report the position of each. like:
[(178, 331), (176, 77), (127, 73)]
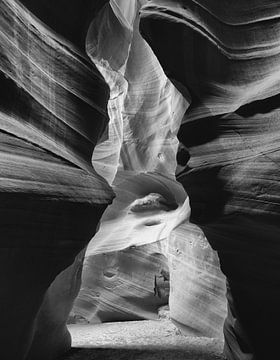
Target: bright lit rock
[(225, 57), (52, 113)]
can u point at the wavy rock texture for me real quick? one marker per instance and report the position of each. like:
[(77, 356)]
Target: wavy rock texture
[(52, 113), (120, 286), (224, 43), (58, 153), (143, 247), (125, 275), (145, 109), (145, 113), (140, 94), (226, 58), (197, 286)]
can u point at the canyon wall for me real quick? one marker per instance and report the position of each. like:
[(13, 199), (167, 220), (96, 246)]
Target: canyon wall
[(113, 99), (226, 56), (145, 252), (53, 111)]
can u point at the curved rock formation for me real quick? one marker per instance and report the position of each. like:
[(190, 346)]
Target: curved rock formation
[(145, 112), (145, 109), (65, 67), (52, 113), (226, 58), (145, 245), (51, 336), (220, 50), (126, 274), (197, 298)]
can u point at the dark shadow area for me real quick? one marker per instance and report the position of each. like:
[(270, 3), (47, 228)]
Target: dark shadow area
[(263, 106), (68, 18), (182, 156), (200, 131), (207, 193)]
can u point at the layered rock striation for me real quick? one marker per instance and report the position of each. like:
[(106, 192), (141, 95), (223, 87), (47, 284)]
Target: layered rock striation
[(225, 58), (53, 111), (90, 101), (145, 111)]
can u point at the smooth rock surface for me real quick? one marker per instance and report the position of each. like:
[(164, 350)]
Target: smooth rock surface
[(226, 59), (142, 250), (145, 108), (145, 111), (125, 265), (53, 110), (88, 101)]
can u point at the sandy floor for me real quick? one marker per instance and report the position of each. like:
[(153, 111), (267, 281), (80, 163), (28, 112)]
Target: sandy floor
[(139, 340)]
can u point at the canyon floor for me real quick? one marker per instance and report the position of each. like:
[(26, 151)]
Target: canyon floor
[(139, 340)]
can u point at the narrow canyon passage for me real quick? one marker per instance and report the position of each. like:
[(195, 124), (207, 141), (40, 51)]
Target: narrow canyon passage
[(139, 176)]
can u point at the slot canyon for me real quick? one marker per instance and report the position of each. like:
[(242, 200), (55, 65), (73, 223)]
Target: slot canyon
[(139, 176)]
